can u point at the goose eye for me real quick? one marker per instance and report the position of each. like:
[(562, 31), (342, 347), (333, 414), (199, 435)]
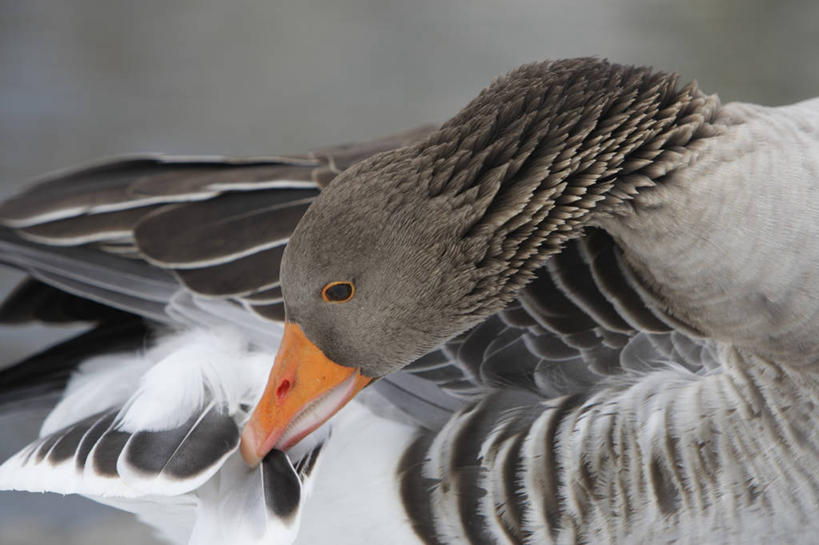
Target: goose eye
[(338, 292)]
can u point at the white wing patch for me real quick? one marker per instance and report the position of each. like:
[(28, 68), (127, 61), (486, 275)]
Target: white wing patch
[(156, 434)]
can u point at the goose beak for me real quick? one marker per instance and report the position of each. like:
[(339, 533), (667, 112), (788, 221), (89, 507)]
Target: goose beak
[(305, 388)]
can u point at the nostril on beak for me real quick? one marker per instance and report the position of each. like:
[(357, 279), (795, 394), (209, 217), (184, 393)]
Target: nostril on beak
[(283, 388)]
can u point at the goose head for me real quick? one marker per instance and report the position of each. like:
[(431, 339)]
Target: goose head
[(413, 246)]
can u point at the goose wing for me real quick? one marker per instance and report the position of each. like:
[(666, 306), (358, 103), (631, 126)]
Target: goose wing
[(584, 318), (174, 239), (156, 432)]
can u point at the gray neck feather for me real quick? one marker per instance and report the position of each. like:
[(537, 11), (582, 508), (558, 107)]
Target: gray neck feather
[(542, 150)]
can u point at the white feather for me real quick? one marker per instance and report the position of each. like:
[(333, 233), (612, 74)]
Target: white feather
[(98, 384), (356, 496), (217, 364)]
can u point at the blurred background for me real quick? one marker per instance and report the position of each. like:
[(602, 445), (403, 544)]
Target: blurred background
[(90, 78)]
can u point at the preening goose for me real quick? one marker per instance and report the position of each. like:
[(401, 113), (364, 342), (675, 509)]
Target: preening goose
[(594, 290)]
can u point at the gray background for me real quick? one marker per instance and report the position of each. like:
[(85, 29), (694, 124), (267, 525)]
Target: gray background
[(89, 78)]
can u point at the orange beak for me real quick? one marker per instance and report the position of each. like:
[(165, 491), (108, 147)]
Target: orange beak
[(305, 388)]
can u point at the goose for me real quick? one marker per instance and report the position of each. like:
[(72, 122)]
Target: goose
[(591, 294)]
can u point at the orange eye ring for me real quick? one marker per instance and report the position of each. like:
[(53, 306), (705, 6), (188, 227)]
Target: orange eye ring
[(338, 292)]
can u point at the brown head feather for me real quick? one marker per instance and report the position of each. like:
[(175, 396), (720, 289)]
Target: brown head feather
[(457, 223)]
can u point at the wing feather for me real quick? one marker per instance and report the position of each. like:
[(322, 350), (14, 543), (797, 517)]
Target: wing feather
[(582, 320), (182, 475), (222, 229)]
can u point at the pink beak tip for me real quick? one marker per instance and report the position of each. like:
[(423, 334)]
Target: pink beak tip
[(248, 448)]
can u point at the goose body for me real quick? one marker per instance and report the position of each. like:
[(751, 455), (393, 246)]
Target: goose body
[(592, 292)]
